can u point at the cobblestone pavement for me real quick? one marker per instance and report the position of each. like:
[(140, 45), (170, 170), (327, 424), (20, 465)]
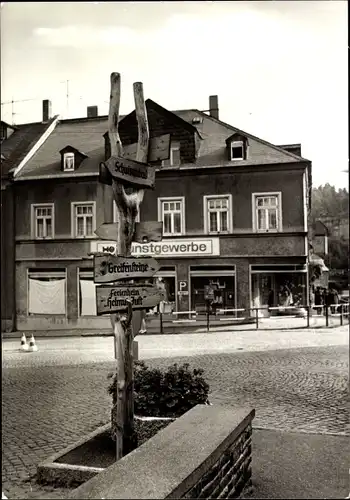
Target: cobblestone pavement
[(46, 408)]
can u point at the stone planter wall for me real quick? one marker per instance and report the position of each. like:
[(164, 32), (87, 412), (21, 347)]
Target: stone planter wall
[(205, 453)]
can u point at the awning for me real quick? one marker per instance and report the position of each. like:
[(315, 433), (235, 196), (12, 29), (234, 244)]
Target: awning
[(316, 260)]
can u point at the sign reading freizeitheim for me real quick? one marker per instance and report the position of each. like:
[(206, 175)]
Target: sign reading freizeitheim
[(111, 299)]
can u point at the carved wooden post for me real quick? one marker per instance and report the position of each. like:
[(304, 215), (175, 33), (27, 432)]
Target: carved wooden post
[(127, 210)]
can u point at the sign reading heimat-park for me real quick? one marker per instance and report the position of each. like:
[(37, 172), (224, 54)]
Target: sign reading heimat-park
[(184, 247)]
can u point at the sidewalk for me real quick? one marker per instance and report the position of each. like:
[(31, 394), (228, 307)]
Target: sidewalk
[(92, 349), (200, 326), (293, 465)]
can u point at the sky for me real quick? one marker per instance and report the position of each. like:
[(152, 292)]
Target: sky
[(279, 68)]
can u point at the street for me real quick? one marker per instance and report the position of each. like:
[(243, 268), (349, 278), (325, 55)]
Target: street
[(295, 380)]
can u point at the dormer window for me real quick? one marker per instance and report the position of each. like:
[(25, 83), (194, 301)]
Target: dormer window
[(68, 162), (6, 131), (174, 159), (237, 147), (237, 150), (71, 158)]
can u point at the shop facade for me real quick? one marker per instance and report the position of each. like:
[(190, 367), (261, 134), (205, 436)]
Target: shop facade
[(58, 291)]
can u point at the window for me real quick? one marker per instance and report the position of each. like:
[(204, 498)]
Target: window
[(46, 291), (68, 162), (174, 156), (83, 219), (115, 213), (43, 221), (172, 213), (87, 292), (237, 150), (267, 214), (218, 214)]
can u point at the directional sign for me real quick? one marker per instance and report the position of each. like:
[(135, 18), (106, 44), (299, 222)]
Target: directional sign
[(144, 232), (148, 231), (159, 148), (107, 232), (110, 299), (109, 268), (130, 171)]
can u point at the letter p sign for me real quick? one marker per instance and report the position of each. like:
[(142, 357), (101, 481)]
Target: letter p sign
[(183, 286)]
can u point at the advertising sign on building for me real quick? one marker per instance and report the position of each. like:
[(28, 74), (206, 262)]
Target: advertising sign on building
[(166, 248), (182, 287)]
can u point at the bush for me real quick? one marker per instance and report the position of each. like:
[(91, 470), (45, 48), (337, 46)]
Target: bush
[(168, 393)]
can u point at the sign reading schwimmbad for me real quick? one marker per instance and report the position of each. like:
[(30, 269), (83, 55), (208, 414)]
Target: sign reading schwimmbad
[(166, 248)]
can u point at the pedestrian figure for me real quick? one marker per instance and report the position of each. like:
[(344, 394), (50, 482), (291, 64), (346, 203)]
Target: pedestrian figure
[(143, 328), (334, 300), (318, 300)]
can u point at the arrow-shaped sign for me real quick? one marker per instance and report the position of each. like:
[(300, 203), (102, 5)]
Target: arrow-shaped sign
[(110, 299), (108, 268), (129, 171), (144, 231)]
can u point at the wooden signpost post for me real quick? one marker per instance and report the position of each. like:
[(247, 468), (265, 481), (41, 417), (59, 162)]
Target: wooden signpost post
[(119, 301)]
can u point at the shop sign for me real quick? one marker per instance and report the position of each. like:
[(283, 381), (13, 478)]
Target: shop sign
[(110, 299), (166, 248)]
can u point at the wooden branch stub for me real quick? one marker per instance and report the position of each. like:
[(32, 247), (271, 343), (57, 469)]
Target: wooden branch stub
[(113, 116), (142, 123), (127, 321)]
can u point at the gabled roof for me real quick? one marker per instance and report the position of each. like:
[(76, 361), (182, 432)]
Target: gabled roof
[(86, 134), (73, 150), (19, 145), (172, 116), (5, 124), (233, 136), (206, 132)]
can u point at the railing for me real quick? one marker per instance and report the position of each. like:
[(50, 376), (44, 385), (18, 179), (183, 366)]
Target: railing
[(192, 314), (277, 317)]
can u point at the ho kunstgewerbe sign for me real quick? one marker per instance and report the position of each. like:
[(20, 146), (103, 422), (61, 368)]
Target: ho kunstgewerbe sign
[(185, 247)]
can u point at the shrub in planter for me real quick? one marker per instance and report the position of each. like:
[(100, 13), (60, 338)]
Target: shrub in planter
[(168, 393)]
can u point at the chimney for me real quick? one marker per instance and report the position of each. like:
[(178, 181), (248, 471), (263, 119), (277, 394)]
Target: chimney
[(214, 106), (47, 105), (92, 111)]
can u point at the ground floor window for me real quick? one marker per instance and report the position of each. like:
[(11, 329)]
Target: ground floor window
[(282, 286), (47, 291), (87, 293), (214, 282)]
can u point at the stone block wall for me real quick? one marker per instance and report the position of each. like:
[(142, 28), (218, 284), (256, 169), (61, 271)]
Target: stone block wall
[(231, 475), (206, 453)]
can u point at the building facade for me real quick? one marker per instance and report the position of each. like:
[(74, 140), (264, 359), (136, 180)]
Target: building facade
[(234, 209), (18, 145)]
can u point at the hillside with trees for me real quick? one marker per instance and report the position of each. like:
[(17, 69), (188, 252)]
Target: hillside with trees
[(331, 206)]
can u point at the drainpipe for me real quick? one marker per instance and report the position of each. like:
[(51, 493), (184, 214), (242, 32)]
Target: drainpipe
[(13, 263)]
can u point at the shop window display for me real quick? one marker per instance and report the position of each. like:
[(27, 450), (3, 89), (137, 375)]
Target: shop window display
[(280, 290), (222, 293)]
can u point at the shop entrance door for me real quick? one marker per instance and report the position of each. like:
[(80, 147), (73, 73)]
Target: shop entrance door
[(221, 281)]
